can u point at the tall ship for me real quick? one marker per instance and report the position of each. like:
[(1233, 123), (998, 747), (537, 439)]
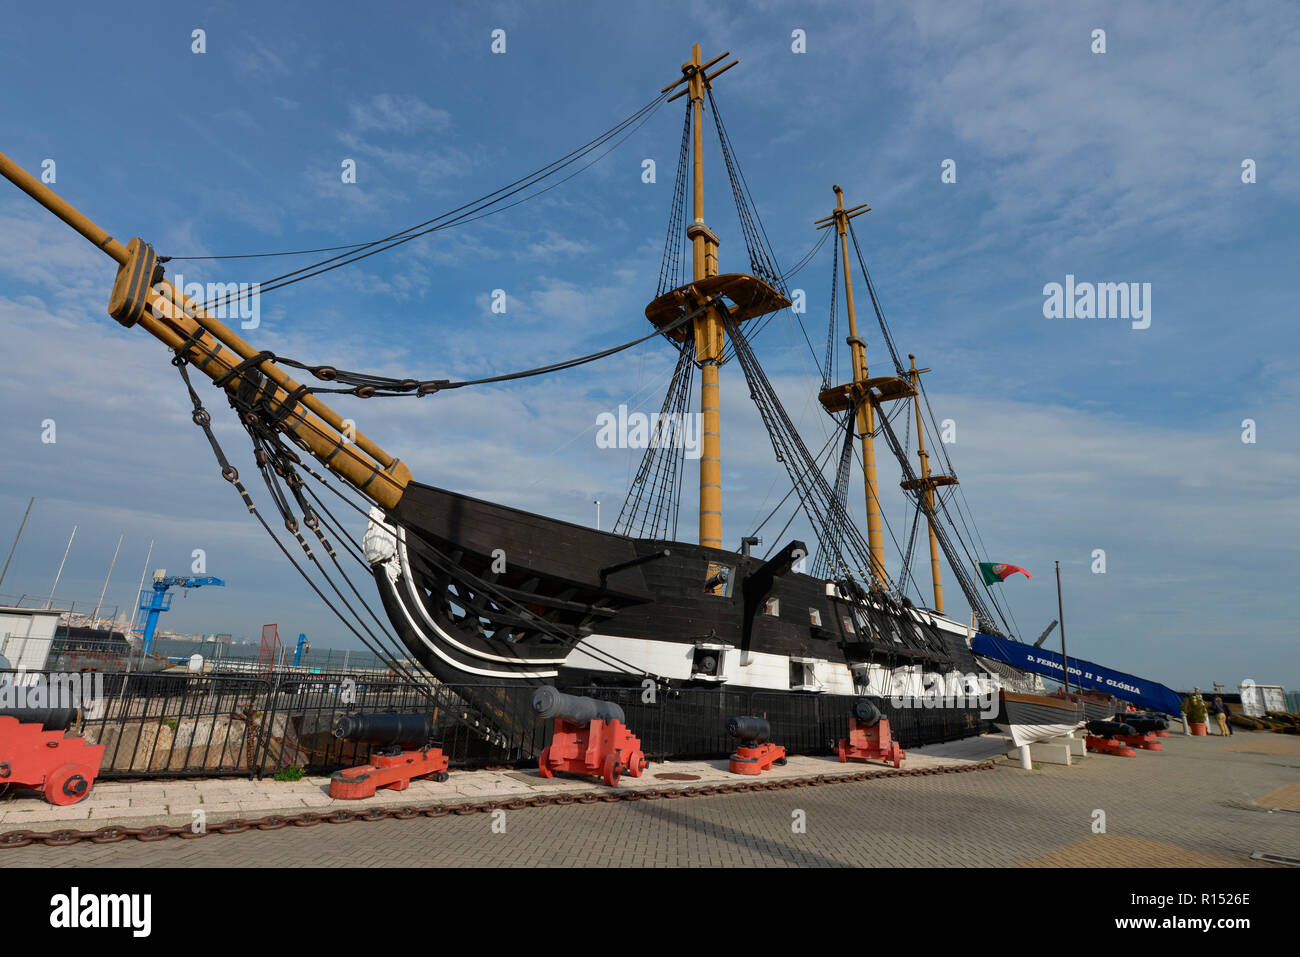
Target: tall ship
[(495, 601)]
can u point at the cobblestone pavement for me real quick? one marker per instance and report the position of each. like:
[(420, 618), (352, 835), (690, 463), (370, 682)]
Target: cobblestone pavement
[(1192, 804), (173, 802)]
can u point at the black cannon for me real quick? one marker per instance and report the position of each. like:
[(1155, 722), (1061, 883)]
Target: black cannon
[(865, 710), (549, 702), (389, 731), (1111, 729), (403, 753), (752, 729), (1146, 723), (589, 738), (50, 719), (870, 737), (755, 754)]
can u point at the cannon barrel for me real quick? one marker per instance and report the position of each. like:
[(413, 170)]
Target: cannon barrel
[(401, 730), (1111, 729), (865, 710), (749, 728), (1144, 722), (50, 719), (550, 702)]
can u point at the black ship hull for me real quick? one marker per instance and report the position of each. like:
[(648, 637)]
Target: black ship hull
[(486, 595)]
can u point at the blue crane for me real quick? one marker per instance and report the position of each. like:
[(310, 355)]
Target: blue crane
[(159, 599)]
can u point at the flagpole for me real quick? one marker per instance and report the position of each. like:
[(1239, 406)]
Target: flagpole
[(1060, 613)]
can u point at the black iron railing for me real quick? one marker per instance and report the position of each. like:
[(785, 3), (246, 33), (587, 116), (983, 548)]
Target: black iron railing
[(173, 725)]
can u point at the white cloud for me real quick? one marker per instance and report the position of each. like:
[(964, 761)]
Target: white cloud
[(397, 113)]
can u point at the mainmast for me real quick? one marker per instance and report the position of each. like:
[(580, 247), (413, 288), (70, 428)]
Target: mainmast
[(927, 483), (863, 393), (750, 296)]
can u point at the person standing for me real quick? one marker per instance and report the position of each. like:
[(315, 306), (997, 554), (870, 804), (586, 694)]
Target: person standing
[(1220, 712)]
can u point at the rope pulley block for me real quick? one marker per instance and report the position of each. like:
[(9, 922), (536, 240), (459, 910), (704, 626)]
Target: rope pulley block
[(589, 738), (134, 283)]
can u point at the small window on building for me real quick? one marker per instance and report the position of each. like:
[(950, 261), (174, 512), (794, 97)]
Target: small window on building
[(772, 607), (815, 617), (848, 625)]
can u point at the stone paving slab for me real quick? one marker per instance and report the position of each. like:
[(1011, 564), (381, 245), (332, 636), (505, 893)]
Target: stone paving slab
[(1262, 742), (1116, 850), (1285, 798), (173, 803)]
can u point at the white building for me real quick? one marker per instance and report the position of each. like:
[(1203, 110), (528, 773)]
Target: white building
[(26, 635)]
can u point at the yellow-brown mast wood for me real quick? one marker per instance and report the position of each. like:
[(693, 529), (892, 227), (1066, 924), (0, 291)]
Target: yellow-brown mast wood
[(173, 319), (864, 392), (866, 412), (710, 340), (928, 484)]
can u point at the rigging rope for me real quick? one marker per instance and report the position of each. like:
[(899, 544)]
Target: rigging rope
[(651, 506), (366, 385), (274, 460), (469, 212), (201, 418)]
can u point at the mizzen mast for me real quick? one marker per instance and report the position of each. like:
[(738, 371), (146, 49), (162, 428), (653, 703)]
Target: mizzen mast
[(863, 393), (927, 483)]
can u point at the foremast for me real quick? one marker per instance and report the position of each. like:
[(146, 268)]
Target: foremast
[(927, 483)]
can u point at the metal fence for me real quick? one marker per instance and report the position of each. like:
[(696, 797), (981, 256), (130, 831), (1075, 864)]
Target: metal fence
[(187, 725), (238, 658)]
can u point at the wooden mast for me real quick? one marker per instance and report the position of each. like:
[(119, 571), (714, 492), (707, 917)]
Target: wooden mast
[(710, 337), (927, 483), (166, 313), (863, 392)]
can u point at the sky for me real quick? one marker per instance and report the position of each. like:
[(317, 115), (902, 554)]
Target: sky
[(1071, 435)]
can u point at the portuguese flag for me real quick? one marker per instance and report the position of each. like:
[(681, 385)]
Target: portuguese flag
[(998, 572)]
